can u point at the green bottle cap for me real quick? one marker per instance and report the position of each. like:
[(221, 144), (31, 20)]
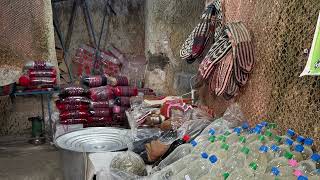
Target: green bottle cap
[(261, 137), (212, 139), (222, 138), (288, 155), (227, 133), (242, 139), (245, 150), (268, 133), (272, 125), (253, 165), (226, 175), (277, 139), (225, 146)]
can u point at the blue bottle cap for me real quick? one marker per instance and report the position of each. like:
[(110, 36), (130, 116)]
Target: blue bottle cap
[(299, 148), (290, 132), (264, 123), (212, 131), (300, 139), (315, 157), (275, 148), (263, 149), (245, 125), (260, 126), (275, 171), (251, 131), (193, 143), (302, 178), (213, 159), (308, 141), (257, 130), (289, 141), (204, 155), (237, 130)]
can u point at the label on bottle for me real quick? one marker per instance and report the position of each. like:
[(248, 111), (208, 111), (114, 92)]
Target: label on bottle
[(186, 177)]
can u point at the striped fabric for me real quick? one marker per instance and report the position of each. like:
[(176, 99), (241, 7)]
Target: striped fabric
[(196, 42)]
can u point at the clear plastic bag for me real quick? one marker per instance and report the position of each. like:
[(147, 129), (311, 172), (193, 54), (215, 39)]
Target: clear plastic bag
[(233, 117), (102, 93), (114, 174), (129, 162)]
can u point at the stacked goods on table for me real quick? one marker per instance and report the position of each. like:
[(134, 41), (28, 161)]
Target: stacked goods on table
[(38, 75), (73, 105), (243, 153)]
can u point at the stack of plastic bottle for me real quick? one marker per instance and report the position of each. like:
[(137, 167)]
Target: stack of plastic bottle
[(242, 154), (73, 105), (38, 75)]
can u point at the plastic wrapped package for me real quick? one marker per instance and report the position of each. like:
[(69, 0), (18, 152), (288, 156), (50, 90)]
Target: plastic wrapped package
[(125, 91), (193, 128), (118, 81), (129, 162), (39, 65), (122, 101), (101, 112), (73, 91), (144, 136), (42, 73), (102, 104), (73, 100), (74, 115), (72, 121), (68, 107), (94, 81), (119, 109), (102, 93), (36, 81)]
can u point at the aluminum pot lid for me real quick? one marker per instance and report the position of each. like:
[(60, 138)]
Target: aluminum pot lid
[(95, 139)]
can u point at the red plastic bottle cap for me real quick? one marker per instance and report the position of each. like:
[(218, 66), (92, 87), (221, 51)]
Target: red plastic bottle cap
[(186, 138)]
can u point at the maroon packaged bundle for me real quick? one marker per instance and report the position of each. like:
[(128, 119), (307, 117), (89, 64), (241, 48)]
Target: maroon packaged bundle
[(102, 93), (99, 119), (26, 81), (74, 115), (68, 107), (73, 121), (101, 112), (94, 81), (101, 104), (120, 117), (122, 101), (73, 91), (39, 65), (125, 91), (118, 81), (119, 109), (73, 100), (42, 73)]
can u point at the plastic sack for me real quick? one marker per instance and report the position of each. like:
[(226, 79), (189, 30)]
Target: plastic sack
[(73, 91), (68, 107), (232, 117), (129, 162), (144, 136), (114, 174), (102, 93), (101, 104), (42, 73)]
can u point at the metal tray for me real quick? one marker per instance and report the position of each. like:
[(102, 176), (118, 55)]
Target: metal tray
[(95, 139)]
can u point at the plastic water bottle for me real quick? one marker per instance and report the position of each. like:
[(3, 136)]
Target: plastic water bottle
[(274, 152), (280, 162), (233, 137), (308, 142), (236, 147), (297, 153), (216, 143), (197, 168), (268, 134), (255, 145), (310, 166), (287, 147), (244, 173), (237, 161), (180, 152), (222, 153), (203, 141), (260, 158)]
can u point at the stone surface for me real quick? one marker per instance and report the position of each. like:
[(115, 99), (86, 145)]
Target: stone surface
[(23, 161)]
